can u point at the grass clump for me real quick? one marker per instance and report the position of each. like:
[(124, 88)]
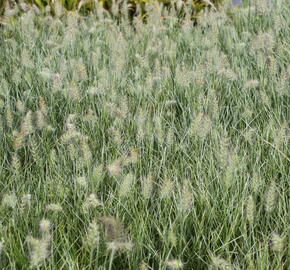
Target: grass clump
[(145, 146)]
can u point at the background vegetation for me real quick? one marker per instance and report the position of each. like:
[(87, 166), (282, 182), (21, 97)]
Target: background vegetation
[(132, 7), (145, 146)]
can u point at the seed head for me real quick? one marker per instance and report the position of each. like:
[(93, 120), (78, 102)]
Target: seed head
[(25, 202), (9, 117), (251, 84), (147, 186), (271, 197), (19, 139), (9, 201), (45, 74), (27, 124), (81, 181), (201, 125), (143, 266), (187, 199), (263, 41), (39, 249), (15, 163), (26, 59), (172, 238), (250, 209), (159, 129), (54, 207), (170, 137), (220, 263), (20, 106), (256, 182), (121, 246), (40, 120), (44, 227), (92, 237), (90, 116), (114, 230), (280, 135), (277, 243), (126, 184), (132, 157), (91, 202), (115, 167), (166, 189), (174, 264), (56, 83)]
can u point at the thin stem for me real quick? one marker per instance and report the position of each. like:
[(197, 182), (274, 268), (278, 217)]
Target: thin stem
[(111, 259)]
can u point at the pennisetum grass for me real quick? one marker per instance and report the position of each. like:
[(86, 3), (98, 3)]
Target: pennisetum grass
[(149, 142)]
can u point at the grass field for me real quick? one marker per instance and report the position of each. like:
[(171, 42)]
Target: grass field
[(152, 146)]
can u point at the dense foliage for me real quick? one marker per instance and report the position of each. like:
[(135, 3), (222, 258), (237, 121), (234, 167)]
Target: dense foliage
[(157, 145), (132, 7)]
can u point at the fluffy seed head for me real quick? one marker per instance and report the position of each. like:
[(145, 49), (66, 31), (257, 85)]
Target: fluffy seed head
[(280, 135), (143, 266), (228, 74), (19, 139), (147, 186), (26, 59), (9, 117), (20, 106), (15, 163), (251, 84), (248, 112), (114, 230), (54, 207), (263, 41), (250, 209), (256, 182), (201, 125), (81, 181), (70, 135), (115, 167), (40, 119), (74, 93), (92, 237), (90, 116), (170, 137), (121, 246), (271, 196), (39, 250), (172, 238), (174, 264), (132, 157), (44, 226), (277, 243), (187, 199), (25, 202), (91, 202), (166, 189), (42, 105), (98, 172), (56, 83), (45, 74), (158, 126), (9, 201), (27, 124), (126, 185), (220, 263)]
